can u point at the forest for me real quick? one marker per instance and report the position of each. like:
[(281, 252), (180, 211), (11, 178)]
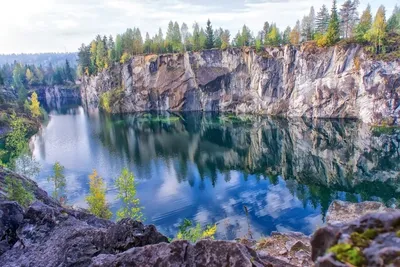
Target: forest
[(324, 27)]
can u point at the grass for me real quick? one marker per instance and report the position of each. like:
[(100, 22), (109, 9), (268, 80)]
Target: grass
[(348, 254)]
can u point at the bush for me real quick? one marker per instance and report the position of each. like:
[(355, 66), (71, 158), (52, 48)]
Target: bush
[(16, 192), (194, 233)]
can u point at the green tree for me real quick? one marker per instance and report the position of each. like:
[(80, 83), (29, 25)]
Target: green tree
[(26, 165), (187, 231), (273, 36), (126, 187), (97, 197), (16, 192), (348, 17), (185, 37), (333, 33), (16, 141), (376, 35), (210, 35), (393, 24), (59, 183), (118, 48), (286, 36), (364, 25), (196, 37), (68, 71), (322, 20)]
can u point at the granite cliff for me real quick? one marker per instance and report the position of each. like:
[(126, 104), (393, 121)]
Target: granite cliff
[(308, 81)]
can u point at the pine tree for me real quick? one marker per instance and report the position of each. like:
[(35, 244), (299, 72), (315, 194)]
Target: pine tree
[(286, 36), (196, 37), (393, 24), (348, 17), (225, 39), (68, 71), (333, 33), (364, 25), (322, 20), (210, 35)]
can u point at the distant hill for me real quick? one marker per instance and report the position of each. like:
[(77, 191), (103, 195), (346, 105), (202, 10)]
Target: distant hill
[(44, 59)]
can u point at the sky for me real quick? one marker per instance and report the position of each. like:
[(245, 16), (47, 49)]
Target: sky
[(63, 25)]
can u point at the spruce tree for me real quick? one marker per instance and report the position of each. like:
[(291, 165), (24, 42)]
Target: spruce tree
[(210, 35), (333, 34), (322, 20)]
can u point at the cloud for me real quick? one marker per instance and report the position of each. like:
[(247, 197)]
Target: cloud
[(59, 25)]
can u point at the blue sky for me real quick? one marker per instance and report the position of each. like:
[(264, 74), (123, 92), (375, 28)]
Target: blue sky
[(62, 25)]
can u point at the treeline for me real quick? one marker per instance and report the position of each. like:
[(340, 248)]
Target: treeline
[(325, 27), (44, 59), (21, 76)]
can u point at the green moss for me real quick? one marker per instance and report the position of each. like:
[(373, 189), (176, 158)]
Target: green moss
[(348, 254), (363, 239), (384, 129), (398, 233)]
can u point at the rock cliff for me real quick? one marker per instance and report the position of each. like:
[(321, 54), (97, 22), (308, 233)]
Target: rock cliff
[(308, 81)]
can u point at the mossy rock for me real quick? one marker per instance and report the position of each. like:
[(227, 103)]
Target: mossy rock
[(348, 254)]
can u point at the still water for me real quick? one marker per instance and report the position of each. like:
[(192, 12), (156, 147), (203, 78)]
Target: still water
[(208, 168)]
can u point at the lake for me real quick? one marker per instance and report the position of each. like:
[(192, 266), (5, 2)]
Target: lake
[(212, 168)]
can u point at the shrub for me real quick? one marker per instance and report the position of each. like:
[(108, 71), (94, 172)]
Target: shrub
[(194, 233), (97, 197), (16, 192)]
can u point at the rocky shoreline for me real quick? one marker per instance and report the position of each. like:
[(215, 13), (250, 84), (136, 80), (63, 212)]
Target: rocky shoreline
[(47, 234)]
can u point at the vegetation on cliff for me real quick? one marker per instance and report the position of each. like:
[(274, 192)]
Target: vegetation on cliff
[(324, 27)]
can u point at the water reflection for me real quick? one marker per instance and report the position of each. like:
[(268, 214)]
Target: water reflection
[(207, 167)]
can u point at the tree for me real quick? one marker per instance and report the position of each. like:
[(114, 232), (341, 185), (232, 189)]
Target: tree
[(16, 138), (348, 17), (68, 72), (84, 60), (196, 37), (295, 34), (333, 33), (210, 35), (97, 197), (29, 76), (35, 105), (1, 79), (118, 47), (185, 36), (225, 39), (218, 37), (393, 24), (377, 33), (322, 20), (17, 192), (26, 165), (126, 188), (187, 231), (286, 36), (273, 36), (59, 182), (364, 25), (308, 26), (147, 44)]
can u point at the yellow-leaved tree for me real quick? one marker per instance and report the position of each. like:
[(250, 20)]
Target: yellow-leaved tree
[(35, 105), (377, 34), (97, 197)]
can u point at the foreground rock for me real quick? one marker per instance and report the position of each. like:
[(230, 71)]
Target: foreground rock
[(335, 82), (373, 240), (292, 248)]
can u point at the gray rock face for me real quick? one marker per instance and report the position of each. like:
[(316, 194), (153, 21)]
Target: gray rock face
[(56, 96), (205, 253), (51, 236), (292, 82), (375, 237)]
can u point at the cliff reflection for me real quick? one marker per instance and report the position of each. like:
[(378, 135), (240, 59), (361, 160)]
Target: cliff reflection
[(319, 160)]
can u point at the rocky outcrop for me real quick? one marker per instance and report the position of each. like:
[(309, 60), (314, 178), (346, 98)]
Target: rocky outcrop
[(373, 240), (293, 82), (56, 96)]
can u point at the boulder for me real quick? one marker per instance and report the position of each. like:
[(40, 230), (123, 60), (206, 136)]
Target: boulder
[(372, 240)]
